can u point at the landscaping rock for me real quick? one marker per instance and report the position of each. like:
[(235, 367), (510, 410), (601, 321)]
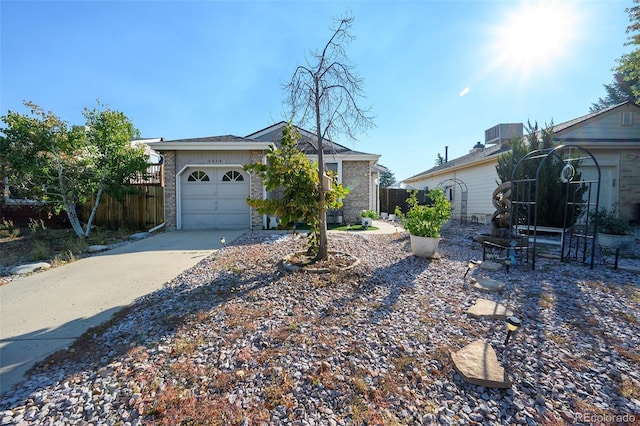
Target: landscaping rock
[(323, 339), (29, 268), (489, 309), (97, 248), (477, 363), (139, 235), (487, 284)]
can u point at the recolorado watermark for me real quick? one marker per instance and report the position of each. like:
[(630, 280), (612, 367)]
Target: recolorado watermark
[(592, 418)]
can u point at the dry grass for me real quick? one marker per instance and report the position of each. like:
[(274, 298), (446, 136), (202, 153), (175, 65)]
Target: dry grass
[(21, 245)]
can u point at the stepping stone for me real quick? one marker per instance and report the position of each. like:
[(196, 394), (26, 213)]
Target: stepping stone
[(97, 248), (487, 284), (489, 309), (29, 268), (490, 266), (629, 268), (477, 363)]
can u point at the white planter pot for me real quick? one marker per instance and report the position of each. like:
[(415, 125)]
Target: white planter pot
[(392, 217), (367, 221), (424, 246), (384, 215), (623, 242), (272, 222)]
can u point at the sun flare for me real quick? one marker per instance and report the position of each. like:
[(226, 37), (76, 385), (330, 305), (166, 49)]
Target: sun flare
[(534, 37)]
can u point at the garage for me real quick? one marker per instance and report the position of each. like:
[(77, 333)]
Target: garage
[(214, 198)]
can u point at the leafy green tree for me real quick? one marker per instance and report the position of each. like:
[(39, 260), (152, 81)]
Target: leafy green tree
[(629, 64), (387, 178), (290, 173), (63, 166), (439, 160), (551, 190), (114, 161), (326, 94)]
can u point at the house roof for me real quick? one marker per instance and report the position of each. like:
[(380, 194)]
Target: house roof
[(210, 143), (469, 158), (273, 134), (499, 149), (260, 140)]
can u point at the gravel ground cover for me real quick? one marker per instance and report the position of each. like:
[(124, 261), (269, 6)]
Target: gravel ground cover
[(238, 339)]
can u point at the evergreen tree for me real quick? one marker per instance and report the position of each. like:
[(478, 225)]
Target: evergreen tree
[(290, 173), (618, 91), (387, 179), (551, 190)]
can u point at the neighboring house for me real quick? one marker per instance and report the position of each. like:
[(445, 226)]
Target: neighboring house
[(612, 136), (206, 186)]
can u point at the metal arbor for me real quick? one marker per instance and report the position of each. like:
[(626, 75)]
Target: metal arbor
[(581, 195), (463, 196)]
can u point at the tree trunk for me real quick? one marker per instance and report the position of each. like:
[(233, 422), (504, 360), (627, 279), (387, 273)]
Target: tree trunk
[(96, 204), (70, 208), (93, 211), (322, 212)]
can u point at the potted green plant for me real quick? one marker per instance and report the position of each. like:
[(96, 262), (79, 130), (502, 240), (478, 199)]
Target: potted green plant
[(367, 217), (424, 222), (613, 232)]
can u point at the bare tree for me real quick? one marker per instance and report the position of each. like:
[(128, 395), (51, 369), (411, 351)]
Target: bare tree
[(325, 93)]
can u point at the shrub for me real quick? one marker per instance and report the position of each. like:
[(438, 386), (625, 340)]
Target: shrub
[(371, 214), (608, 222), (426, 220), (8, 229)]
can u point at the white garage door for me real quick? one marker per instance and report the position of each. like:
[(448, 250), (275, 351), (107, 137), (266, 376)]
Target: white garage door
[(214, 198)]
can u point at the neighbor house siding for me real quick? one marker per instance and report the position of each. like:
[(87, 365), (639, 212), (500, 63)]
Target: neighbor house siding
[(607, 127), (355, 176)]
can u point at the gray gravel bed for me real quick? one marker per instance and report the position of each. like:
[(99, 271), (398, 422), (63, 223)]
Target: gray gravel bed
[(238, 339)]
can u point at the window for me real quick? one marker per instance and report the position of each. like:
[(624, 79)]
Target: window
[(627, 118), (198, 176), (233, 176), (333, 168)]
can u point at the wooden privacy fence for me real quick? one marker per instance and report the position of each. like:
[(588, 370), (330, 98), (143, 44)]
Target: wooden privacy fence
[(392, 197), (141, 210)]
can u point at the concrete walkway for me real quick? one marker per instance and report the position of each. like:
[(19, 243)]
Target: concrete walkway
[(45, 312)]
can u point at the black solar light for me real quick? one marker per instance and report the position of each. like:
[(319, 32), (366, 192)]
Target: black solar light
[(472, 264), (513, 323)]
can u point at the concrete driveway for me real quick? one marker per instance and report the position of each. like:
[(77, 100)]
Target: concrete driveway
[(45, 312)]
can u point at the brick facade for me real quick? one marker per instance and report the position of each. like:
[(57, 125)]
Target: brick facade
[(629, 183), (170, 205), (256, 191), (355, 175)]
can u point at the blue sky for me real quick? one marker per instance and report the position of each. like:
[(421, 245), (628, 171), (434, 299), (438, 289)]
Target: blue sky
[(436, 73)]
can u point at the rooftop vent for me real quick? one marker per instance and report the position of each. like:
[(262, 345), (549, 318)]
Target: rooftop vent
[(477, 147)]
